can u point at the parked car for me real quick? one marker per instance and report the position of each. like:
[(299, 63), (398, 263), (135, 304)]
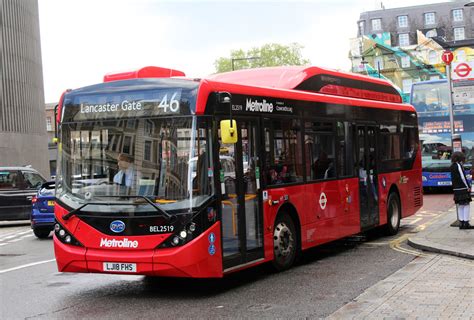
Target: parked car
[(42, 213), (18, 185)]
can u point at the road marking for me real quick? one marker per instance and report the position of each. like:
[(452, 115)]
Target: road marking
[(26, 266), (414, 221), (13, 235)]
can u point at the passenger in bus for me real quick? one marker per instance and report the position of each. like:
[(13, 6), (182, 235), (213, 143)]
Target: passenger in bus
[(126, 174), (321, 165)]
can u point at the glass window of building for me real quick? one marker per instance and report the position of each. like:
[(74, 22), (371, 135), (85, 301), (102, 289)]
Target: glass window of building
[(376, 24), (402, 21), (407, 85), (433, 57), (405, 62), (432, 33), (457, 15), (361, 27), (403, 39), (378, 63), (459, 34), (430, 18), (49, 127)]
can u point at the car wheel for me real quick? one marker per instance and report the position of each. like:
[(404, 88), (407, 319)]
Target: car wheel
[(394, 213), (42, 233), (285, 243)]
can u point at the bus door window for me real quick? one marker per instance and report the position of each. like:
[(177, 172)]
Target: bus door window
[(345, 161), (230, 203), (251, 170), (372, 163)]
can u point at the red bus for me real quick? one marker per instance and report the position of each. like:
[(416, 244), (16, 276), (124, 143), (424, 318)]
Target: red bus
[(167, 176)]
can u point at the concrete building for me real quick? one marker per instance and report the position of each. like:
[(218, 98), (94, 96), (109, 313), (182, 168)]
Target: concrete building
[(23, 139), (405, 44)]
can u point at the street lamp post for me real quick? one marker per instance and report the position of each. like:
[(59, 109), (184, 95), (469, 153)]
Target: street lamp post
[(241, 59)]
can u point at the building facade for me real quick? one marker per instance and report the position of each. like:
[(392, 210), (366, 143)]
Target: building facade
[(51, 133), (23, 139), (405, 44)]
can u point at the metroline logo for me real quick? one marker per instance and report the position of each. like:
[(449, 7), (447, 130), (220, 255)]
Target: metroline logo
[(257, 106), (112, 243)]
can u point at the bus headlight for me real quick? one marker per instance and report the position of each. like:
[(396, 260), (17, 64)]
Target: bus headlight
[(191, 228), (63, 235), (423, 178), (469, 177)]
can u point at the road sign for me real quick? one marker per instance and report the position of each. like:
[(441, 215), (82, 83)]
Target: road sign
[(463, 70), (463, 95), (447, 57)]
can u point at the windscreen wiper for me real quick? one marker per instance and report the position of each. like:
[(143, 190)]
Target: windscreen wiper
[(158, 209)]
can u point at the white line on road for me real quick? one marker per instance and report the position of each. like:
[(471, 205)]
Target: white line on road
[(26, 266), (415, 221)]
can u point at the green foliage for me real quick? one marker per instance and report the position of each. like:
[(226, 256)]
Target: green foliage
[(268, 55)]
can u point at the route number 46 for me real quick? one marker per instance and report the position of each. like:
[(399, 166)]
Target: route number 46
[(172, 105)]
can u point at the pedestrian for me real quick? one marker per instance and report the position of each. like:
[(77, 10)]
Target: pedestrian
[(461, 189)]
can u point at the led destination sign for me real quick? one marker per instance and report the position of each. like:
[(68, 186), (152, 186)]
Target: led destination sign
[(127, 105)]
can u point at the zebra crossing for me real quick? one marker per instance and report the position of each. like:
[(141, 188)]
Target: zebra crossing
[(11, 236)]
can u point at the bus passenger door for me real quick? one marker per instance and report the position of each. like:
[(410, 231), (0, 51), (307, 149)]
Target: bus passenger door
[(242, 228), (368, 186)]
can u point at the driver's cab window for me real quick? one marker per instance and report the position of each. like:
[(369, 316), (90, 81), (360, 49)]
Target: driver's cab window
[(32, 180)]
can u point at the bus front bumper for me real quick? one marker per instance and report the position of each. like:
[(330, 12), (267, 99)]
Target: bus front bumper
[(194, 259)]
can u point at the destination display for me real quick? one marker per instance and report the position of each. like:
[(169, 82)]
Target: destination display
[(128, 104)]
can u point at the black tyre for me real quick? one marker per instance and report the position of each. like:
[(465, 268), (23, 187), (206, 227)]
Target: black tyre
[(42, 233), (394, 213), (285, 244)]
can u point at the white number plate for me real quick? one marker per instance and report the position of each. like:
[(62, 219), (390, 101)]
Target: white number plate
[(444, 183), (120, 267)]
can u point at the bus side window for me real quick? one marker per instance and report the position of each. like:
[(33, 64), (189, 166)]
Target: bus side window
[(320, 148), (284, 153)]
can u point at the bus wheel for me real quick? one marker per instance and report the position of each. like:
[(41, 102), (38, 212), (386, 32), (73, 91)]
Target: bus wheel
[(284, 242), (393, 214)]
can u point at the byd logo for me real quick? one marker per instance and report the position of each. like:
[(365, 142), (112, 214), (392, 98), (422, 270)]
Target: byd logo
[(117, 226)]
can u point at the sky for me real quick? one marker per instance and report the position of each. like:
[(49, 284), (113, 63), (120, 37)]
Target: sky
[(82, 40)]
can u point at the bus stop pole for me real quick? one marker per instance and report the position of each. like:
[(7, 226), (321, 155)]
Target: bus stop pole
[(451, 122), (450, 102)]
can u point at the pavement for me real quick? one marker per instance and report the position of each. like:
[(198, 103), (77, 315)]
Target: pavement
[(437, 284)]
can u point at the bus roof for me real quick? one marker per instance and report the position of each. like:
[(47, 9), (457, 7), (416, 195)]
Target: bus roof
[(313, 79)]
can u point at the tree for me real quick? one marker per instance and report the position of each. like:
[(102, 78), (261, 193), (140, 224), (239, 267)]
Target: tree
[(268, 55)]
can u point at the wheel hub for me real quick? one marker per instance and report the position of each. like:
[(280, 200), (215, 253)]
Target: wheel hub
[(283, 240)]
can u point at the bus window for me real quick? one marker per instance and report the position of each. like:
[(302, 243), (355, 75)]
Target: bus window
[(320, 149), (284, 155), (345, 161), (389, 143), (409, 142)]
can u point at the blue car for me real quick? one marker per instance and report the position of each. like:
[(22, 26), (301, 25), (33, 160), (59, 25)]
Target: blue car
[(42, 214)]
